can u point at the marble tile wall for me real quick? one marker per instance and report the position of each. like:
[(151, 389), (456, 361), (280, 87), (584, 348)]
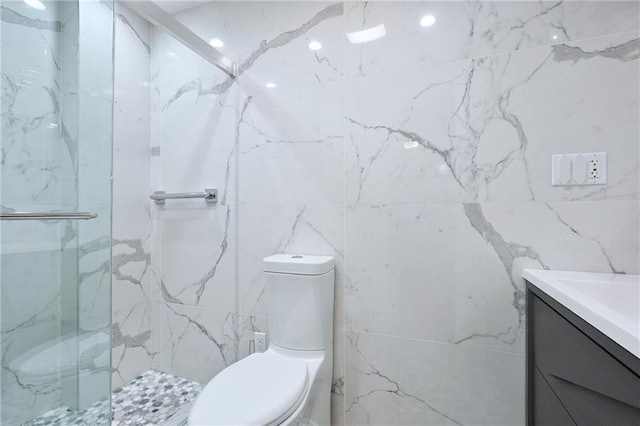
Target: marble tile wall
[(194, 323), (437, 235), (131, 241), (419, 160), (241, 139)]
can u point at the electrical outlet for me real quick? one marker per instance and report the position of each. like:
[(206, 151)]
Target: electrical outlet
[(594, 168), (579, 169), (597, 167), (261, 341)]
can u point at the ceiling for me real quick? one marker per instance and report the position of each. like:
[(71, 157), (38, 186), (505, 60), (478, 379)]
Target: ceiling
[(175, 6)]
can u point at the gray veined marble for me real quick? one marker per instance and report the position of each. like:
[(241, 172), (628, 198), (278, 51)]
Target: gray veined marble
[(508, 252), (388, 385), (133, 252), (123, 18), (131, 346), (10, 16), (264, 47), (627, 51), (196, 343), (234, 152), (475, 30), (478, 127), (403, 381), (195, 290)]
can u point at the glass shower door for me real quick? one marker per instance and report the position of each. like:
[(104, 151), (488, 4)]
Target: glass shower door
[(55, 159)]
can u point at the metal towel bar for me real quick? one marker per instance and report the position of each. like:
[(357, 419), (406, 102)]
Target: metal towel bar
[(47, 215), (210, 195)]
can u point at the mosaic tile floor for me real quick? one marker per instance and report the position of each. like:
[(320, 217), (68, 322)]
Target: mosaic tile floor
[(149, 399)]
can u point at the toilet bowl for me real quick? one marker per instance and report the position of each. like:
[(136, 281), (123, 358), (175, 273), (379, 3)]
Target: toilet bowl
[(290, 383)]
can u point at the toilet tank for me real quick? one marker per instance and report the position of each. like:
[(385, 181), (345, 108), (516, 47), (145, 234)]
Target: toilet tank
[(300, 300)]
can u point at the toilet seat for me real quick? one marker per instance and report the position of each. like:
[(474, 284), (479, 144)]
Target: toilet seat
[(262, 389)]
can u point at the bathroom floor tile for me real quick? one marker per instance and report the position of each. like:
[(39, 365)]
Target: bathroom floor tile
[(149, 399)]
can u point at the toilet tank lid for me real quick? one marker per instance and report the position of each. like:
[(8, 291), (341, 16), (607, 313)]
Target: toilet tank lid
[(301, 264)]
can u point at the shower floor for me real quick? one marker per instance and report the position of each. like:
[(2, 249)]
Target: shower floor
[(150, 399)]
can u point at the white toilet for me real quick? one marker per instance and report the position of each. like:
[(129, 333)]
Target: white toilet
[(290, 383)]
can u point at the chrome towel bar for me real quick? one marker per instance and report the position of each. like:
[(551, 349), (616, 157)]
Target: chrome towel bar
[(210, 195), (47, 215)]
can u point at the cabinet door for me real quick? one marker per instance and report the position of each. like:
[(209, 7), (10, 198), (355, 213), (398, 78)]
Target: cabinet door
[(592, 386), (548, 410)]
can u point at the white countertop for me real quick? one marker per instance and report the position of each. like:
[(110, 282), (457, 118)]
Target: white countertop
[(609, 302)]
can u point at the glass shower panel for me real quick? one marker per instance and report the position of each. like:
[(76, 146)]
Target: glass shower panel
[(55, 157)]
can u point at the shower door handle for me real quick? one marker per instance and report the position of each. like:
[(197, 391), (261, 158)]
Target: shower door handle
[(48, 216)]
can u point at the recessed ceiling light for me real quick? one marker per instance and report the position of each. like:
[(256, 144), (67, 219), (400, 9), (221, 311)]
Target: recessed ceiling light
[(411, 144), (270, 85), (314, 45), (367, 35), (36, 4), (427, 20), (216, 42), (555, 36)]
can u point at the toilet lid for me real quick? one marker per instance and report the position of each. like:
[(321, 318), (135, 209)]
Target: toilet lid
[(261, 389)]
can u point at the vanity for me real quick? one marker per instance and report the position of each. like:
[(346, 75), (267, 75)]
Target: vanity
[(583, 348)]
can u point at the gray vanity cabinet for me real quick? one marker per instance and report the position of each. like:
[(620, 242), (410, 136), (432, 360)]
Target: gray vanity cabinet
[(575, 374)]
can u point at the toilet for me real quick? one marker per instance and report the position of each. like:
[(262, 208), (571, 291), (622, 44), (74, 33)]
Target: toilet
[(289, 383)]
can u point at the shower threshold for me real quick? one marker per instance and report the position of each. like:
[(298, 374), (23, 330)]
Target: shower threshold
[(153, 398)]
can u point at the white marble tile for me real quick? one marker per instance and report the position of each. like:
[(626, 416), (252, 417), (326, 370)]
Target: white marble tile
[(267, 230), (196, 343), (31, 172), (382, 116), (30, 295), (576, 236), (95, 47), (338, 382), (269, 42), (197, 149), (286, 58), (131, 349), (422, 271), (464, 30), (485, 130), (247, 326), (24, 398), (452, 272), (93, 380), (590, 113), (30, 43), (131, 155), (131, 255), (179, 77), (197, 255), (132, 56), (395, 381), (94, 150), (291, 150), (87, 274)]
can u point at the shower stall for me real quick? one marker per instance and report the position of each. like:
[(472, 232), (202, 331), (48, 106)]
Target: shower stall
[(55, 196)]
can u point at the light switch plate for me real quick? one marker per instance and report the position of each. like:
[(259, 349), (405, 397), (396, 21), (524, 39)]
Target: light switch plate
[(579, 169)]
